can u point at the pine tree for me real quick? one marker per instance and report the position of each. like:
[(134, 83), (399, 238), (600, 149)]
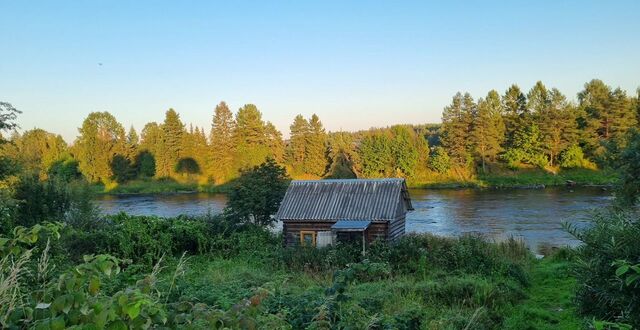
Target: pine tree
[(296, 151), (538, 99), (315, 161), (222, 144), (595, 125), (456, 123), (488, 130), (514, 105), (172, 134), (558, 125), (99, 142)]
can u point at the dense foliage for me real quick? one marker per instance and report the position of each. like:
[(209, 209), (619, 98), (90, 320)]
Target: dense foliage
[(257, 194), (402, 286), (516, 130)]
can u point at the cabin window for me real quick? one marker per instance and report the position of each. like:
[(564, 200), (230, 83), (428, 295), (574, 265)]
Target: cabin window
[(307, 238)]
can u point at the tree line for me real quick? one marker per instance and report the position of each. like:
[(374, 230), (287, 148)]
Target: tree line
[(541, 128)]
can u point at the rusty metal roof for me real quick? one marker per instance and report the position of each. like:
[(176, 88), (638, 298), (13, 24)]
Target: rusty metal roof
[(351, 199)]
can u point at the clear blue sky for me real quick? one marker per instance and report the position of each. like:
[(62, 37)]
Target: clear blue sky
[(355, 64)]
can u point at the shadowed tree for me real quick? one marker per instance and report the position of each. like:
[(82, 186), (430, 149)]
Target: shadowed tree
[(145, 164), (36, 150), (257, 194), (151, 143)]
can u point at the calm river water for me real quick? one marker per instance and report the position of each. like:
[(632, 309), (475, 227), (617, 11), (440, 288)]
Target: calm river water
[(535, 215)]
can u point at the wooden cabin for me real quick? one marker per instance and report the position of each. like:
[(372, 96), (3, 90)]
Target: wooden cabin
[(322, 212)]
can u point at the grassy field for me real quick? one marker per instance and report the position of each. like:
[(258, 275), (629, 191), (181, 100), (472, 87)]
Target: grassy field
[(246, 279), (456, 284), (550, 299)]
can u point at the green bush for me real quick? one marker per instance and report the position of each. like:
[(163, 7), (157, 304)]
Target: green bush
[(603, 294), (573, 157), (439, 161)]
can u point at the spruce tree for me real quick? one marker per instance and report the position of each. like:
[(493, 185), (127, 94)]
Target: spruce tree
[(315, 161), (132, 144), (172, 134), (222, 144), (250, 138)]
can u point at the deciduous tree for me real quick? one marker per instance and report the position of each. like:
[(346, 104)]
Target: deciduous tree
[(99, 142)]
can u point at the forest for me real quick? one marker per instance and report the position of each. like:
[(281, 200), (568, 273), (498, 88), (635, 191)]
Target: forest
[(512, 138)]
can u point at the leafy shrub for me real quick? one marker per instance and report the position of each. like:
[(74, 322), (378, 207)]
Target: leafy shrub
[(40, 201), (602, 293), (573, 157), (257, 194), (467, 254)]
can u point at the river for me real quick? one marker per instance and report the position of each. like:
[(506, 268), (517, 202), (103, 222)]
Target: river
[(534, 215)]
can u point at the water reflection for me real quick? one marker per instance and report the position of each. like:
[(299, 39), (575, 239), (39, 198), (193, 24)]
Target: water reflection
[(536, 216)]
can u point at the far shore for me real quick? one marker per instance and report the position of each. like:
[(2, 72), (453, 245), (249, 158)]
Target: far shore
[(527, 180)]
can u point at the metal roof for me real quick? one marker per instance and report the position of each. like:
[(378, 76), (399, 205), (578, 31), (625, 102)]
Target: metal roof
[(351, 225), (350, 199)]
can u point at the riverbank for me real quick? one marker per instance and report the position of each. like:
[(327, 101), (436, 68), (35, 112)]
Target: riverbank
[(530, 178)]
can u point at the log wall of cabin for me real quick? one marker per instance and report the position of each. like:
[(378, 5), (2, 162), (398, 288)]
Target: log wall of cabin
[(292, 229), (396, 229)]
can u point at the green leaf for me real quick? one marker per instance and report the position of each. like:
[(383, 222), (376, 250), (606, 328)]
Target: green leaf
[(622, 270), (117, 325), (133, 310), (632, 278), (94, 286), (57, 323)]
